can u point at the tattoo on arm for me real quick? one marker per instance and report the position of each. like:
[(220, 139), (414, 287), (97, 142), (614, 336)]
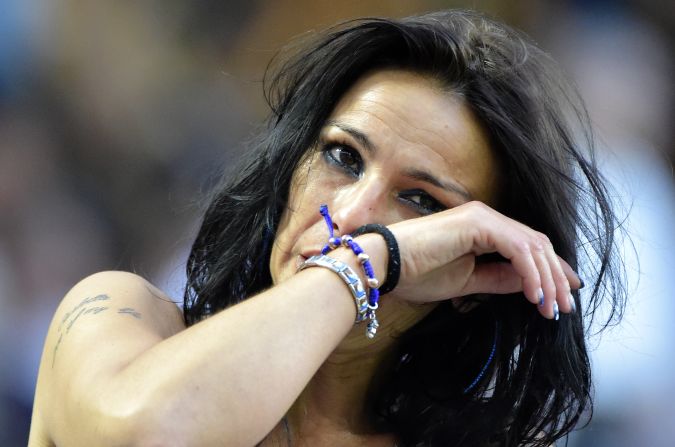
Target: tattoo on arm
[(130, 311), (88, 306)]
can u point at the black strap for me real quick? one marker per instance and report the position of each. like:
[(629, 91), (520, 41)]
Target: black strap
[(394, 264)]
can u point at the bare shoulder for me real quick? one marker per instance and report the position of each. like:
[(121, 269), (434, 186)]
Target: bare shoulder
[(124, 293), (115, 308), (100, 326), (106, 301)]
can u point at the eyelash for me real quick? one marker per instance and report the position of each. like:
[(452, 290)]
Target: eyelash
[(434, 207), (327, 149), (331, 159)]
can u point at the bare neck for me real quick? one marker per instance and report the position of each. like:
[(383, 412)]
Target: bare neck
[(333, 405)]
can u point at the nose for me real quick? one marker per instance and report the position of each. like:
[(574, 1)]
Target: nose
[(361, 203)]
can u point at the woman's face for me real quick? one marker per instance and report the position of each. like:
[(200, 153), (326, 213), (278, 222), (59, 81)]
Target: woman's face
[(396, 147)]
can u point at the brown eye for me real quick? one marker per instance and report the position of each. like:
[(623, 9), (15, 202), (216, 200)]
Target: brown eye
[(344, 157)]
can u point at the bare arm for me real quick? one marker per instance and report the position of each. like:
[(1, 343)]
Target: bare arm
[(120, 369)]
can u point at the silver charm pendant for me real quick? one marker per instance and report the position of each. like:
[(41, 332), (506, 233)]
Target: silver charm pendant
[(373, 324)]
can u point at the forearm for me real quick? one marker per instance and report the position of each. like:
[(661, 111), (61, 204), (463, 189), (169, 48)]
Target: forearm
[(229, 379)]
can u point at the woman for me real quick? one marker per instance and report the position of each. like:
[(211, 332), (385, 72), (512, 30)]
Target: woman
[(457, 136)]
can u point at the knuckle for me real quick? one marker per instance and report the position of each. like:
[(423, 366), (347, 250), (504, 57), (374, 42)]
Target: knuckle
[(538, 246), (541, 242), (473, 215), (479, 209), (476, 204), (522, 247), (543, 238)]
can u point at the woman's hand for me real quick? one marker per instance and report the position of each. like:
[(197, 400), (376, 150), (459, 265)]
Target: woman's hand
[(438, 259)]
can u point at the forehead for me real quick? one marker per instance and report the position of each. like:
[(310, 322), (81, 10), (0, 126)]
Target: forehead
[(413, 117)]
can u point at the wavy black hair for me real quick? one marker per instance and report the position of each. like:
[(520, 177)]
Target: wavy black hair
[(538, 386)]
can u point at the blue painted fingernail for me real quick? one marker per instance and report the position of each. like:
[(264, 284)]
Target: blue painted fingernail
[(573, 304), (556, 312), (583, 284), (540, 294)]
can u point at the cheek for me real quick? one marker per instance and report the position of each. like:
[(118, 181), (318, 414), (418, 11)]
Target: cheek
[(279, 250), (286, 236), (310, 188)]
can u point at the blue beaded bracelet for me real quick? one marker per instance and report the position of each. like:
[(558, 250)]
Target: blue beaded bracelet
[(394, 261), (364, 259)]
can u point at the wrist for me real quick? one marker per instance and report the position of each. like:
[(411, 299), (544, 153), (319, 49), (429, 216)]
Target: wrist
[(393, 260), (375, 247)]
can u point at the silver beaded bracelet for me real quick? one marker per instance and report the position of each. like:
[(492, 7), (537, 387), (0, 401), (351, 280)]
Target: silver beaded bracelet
[(348, 276)]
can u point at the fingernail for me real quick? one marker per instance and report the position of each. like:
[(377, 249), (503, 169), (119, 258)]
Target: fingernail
[(583, 284), (573, 304), (540, 294), (556, 312)]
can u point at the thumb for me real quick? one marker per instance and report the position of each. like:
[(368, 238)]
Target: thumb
[(493, 277)]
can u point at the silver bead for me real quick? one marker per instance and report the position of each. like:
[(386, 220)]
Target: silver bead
[(363, 258), (333, 242), (346, 239), (373, 283)]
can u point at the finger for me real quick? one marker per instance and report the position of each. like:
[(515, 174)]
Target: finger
[(506, 237), (563, 293), (572, 276), (525, 249), (561, 274), (524, 264), (548, 307), (518, 244), (494, 277)]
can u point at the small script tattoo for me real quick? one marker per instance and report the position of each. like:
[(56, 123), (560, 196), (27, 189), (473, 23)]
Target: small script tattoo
[(88, 306), (130, 311)]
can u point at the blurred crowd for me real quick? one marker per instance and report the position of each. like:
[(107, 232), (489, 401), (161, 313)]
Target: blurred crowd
[(117, 117)]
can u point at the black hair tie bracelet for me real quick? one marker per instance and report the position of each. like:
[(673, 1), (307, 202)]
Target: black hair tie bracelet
[(394, 264)]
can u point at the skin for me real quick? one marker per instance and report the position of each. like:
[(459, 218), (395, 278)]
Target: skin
[(411, 126), (389, 125), (119, 367)]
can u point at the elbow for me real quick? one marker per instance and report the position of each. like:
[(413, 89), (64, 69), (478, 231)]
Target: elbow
[(153, 426), (133, 425), (145, 428)]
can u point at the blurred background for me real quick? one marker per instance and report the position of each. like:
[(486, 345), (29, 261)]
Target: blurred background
[(117, 116)]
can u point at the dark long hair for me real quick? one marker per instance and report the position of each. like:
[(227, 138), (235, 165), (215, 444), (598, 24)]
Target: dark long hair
[(538, 386)]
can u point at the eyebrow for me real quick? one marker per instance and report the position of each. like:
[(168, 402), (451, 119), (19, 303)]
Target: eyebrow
[(359, 136), (415, 174)]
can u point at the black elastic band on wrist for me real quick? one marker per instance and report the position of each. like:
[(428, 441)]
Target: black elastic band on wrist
[(394, 263)]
